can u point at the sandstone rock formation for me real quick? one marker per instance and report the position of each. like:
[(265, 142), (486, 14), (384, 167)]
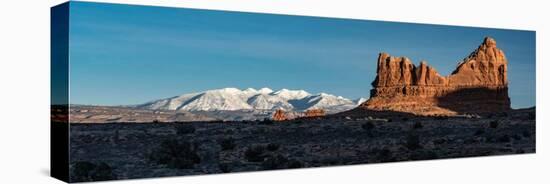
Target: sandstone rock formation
[(314, 113), (478, 84), (279, 115)]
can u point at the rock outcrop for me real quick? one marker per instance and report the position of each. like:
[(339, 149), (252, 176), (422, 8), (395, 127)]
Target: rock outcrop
[(312, 113), (478, 84), (279, 115)]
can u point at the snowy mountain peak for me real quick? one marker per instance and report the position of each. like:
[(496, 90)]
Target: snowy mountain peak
[(250, 90), (360, 101), (325, 94), (250, 99), (291, 94), (227, 90), (265, 91)]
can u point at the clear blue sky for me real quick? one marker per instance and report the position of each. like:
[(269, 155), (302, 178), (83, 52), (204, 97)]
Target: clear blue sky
[(122, 54)]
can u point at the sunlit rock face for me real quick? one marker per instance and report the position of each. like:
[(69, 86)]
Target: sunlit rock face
[(478, 85)]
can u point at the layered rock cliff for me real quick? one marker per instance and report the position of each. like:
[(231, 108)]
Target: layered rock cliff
[(478, 84)]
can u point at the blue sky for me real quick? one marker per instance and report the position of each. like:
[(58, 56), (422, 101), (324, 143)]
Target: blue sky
[(122, 54)]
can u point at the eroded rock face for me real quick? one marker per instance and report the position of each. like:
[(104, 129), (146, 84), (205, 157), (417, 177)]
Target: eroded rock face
[(314, 113), (279, 115), (478, 84)]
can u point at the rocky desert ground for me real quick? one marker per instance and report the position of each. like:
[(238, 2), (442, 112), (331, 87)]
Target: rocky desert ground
[(139, 150), (413, 113)]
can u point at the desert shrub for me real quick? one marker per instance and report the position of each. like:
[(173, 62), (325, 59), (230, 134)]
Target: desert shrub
[(255, 153), (442, 117), (275, 162), (87, 171), (470, 140), (413, 142), (494, 124), (156, 121), (479, 132), (417, 125), (439, 141), (383, 155), (423, 155), (526, 134), (229, 131), (227, 143), (516, 137), (273, 146), (176, 154), (185, 129), (504, 138), (520, 151), (293, 164), (505, 114), (368, 126), (266, 121), (224, 167)]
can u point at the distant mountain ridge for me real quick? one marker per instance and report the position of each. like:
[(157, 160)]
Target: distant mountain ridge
[(250, 99)]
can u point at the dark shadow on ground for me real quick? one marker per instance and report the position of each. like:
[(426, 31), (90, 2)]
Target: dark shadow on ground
[(480, 100)]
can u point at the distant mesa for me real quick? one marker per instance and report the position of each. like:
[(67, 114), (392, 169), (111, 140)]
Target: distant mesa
[(479, 84)]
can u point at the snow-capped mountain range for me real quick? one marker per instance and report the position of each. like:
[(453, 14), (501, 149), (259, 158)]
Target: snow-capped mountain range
[(264, 99)]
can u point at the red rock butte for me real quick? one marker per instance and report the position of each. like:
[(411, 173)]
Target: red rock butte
[(479, 84)]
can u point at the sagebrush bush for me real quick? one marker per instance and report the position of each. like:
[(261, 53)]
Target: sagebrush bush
[(176, 154), (479, 132), (383, 155), (255, 153), (424, 155), (227, 143), (526, 134), (273, 146), (413, 142), (224, 167), (494, 124), (417, 125), (504, 138), (266, 121), (275, 162), (185, 129), (293, 164), (368, 126), (88, 171)]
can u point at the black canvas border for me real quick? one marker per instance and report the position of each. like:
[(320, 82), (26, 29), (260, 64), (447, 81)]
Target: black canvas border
[(59, 59)]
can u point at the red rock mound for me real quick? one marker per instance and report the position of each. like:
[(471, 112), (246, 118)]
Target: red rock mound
[(279, 115), (478, 85)]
